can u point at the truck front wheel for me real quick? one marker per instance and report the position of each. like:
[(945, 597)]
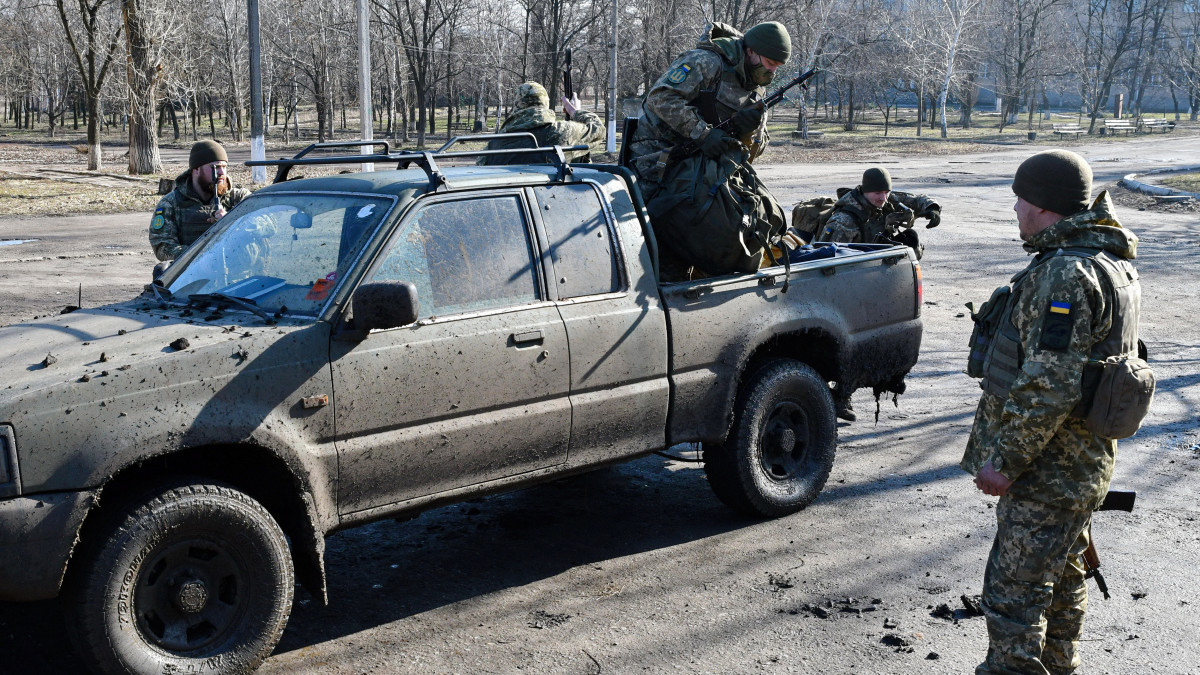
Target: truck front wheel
[(192, 578), (781, 448)]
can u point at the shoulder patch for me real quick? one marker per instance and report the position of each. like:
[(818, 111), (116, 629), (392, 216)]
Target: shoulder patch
[(678, 75), (158, 221), (1056, 327)]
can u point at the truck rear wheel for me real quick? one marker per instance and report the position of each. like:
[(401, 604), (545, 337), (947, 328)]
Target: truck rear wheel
[(781, 449), (192, 578)]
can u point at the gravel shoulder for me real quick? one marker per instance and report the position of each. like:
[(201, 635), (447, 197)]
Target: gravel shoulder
[(638, 568)]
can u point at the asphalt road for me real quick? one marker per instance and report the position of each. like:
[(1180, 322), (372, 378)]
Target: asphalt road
[(640, 569)]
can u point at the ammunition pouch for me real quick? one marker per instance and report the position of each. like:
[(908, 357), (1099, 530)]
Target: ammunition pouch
[(987, 323), (1117, 393)]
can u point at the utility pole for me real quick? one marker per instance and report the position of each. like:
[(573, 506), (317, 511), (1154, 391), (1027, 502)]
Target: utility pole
[(258, 148), (612, 85), (365, 120)]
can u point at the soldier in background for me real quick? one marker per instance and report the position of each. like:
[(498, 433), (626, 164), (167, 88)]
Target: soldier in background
[(532, 113), (872, 213), (1032, 443), (190, 209)]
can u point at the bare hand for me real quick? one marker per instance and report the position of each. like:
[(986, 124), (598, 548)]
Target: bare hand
[(570, 105), (992, 482)]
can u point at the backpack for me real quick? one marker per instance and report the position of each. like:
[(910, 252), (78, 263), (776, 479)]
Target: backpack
[(810, 216), (715, 215)]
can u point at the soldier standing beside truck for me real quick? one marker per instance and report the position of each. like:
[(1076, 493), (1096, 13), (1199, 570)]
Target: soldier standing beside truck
[(201, 196), (1043, 437)]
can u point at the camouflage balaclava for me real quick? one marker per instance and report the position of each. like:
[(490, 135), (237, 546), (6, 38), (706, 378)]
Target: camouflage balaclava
[(531, 95), (1059, 181)]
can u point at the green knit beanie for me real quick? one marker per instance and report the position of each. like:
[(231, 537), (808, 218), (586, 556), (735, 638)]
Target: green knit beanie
[(876, 179), (206, 152), (769, 39), (1056, 180)]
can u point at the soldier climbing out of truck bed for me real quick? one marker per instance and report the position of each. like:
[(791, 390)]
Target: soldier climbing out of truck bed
[(711, 101)]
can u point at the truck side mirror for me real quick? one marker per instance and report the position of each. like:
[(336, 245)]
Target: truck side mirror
[(385, 304)]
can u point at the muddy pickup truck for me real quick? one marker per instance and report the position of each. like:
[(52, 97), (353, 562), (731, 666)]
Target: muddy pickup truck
[(342, 349)]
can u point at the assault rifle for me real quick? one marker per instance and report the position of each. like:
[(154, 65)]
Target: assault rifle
[(1115, 500), (773, 99), (568, 86), (216, 205)]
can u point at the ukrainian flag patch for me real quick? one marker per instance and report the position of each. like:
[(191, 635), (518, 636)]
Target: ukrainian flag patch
[(1060, 307), (678, 75)]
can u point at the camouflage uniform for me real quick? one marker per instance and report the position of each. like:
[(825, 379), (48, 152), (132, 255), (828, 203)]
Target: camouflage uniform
[(854, 219), (182, 216), (1034, 597), (671, 113), (532, 113)]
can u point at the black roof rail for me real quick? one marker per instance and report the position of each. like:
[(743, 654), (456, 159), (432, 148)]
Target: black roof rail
[(424, 159)]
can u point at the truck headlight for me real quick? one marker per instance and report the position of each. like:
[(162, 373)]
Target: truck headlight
[(10, 477)]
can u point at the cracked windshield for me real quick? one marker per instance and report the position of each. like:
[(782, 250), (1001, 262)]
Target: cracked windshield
[(282, 252)]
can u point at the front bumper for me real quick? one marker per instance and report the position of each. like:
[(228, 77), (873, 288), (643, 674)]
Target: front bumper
[(37, 535)]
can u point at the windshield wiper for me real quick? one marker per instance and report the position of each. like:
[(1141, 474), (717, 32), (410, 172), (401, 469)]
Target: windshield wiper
[(160, 293), (221, 299)]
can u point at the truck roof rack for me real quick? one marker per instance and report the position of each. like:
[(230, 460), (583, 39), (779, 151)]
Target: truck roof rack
[(424, 159)]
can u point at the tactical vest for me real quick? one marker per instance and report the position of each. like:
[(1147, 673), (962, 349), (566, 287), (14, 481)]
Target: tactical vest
[(720, 103), (194, 220), (1005, 358)]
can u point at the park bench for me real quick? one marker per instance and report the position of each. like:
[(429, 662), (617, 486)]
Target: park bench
[(1113, 126), (1068, 129), (1150, 125)]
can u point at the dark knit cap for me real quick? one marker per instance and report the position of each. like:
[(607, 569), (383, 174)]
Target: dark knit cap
[(1056, 180), (876, 179), (206, 152), (769, 39)]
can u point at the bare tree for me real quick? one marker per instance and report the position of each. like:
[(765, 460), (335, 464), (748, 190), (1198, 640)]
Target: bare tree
[(1108, 28), (93, 31), (1019, 49), (149, 28)]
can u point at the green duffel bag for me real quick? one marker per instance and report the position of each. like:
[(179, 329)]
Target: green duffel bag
[(715, 215)]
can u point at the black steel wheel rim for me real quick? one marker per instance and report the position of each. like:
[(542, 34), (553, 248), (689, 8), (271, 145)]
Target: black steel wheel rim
[(191, 593), (784, 441)]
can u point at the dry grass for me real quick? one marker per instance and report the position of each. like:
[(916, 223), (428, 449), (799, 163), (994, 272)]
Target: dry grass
[(45, 197), (1189, 182)]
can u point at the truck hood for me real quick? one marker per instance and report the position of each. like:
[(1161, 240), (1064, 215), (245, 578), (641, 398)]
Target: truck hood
[(70, 350)]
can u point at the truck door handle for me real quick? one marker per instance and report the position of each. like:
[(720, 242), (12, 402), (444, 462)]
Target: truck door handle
[(528, 337)]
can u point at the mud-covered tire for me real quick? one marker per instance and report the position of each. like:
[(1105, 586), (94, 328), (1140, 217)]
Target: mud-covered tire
[(192, 578), (782, 445)]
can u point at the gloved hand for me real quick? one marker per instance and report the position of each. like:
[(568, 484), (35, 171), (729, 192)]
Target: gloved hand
[(717, 143), (898, 220), (746, 120), (934, 216)]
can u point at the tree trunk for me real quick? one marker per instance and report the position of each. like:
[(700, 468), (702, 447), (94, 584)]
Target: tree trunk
[(143, 72)]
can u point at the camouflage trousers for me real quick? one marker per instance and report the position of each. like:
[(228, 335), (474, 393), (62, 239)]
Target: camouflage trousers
[(1034, 592)]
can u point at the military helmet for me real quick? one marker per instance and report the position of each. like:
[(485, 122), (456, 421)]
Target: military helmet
[(532, 95)]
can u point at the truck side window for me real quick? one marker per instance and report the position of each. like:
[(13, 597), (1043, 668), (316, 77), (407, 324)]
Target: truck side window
[(581, 241), (465, 255)]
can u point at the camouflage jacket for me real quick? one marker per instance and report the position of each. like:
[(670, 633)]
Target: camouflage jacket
[(1028, 436), (584, 128), (671, 110), (854, 219), (182, 216)]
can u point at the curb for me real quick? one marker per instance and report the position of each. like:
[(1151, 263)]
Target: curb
[(1130, 182)]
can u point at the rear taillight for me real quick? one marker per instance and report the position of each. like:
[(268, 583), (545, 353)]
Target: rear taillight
[(920, 287)]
